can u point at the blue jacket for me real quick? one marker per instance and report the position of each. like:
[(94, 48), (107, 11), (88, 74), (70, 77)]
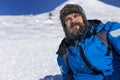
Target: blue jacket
[(95, 51)]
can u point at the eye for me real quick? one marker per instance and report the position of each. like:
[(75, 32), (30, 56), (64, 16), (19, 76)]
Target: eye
[(67, 19)]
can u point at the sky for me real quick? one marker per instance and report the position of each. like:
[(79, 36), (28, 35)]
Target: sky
[(112, 2), (22, 7)]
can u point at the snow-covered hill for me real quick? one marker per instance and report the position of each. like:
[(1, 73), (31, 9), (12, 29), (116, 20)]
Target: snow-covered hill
[(28, 43), (96, 9)]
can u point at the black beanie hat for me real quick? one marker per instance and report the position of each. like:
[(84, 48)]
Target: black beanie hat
[(71, 8)]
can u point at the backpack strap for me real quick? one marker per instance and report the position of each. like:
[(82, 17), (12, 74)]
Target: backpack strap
[(65, 57), (102, 35)]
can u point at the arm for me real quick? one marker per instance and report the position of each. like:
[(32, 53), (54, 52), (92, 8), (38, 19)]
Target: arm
[(113, 33), (63, 68)]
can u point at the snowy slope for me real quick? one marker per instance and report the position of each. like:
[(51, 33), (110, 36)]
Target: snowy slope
[(27, 48), (29, 43)]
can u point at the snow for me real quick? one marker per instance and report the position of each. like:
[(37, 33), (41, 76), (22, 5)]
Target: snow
[(27, 48), (28, 44)]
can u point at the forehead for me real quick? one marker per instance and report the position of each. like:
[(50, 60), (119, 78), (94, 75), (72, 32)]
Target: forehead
[(74, 14)]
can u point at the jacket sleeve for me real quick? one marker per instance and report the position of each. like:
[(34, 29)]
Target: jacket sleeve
[(113, 34), (63, 68)]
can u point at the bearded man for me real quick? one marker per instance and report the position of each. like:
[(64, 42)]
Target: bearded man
[(90, 49)]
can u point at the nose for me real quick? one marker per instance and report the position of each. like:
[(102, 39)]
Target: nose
[(73, 22), (73, 19)]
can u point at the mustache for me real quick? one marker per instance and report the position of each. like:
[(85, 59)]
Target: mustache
[(72, 24)]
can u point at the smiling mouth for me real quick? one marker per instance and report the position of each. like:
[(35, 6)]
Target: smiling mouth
[(75, 27)]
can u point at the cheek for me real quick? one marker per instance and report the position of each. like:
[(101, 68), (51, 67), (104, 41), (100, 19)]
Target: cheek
[(80, 20), (67, 24)]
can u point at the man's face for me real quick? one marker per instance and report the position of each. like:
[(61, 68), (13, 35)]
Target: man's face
[(74, 25)]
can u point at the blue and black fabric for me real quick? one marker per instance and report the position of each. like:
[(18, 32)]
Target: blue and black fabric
[(95, 57)]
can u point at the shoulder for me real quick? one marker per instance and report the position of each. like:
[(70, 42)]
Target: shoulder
[(113, 33), (96, 25), (110, 26), (94, 22)]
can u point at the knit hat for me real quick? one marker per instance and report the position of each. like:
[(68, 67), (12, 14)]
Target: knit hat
[(71, 8)]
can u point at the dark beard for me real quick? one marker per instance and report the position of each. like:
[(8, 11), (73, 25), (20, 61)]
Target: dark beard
[(76, 34)]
